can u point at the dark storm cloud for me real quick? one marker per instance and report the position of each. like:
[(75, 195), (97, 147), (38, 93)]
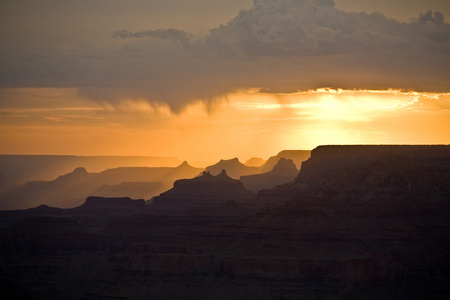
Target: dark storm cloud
[(305, 27), (277, 45), (164, 34), (186, 40)]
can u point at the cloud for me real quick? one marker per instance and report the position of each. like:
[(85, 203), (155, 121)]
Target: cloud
[(172, 34), (307, 27), (276, 45), (428, 17)]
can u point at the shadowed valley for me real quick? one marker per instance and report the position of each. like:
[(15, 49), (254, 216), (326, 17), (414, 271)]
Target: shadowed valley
[(356, 222)]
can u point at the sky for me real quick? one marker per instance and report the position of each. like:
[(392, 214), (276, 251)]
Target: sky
[(209, 79)]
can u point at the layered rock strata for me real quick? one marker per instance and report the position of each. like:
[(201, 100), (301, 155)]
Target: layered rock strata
[(377, 227)]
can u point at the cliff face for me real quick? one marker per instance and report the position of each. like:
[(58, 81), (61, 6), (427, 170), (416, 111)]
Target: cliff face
[(297, 156), (283, 172), (369, 223), (369, 173), (204, 190), (325, 161), (373, 227)]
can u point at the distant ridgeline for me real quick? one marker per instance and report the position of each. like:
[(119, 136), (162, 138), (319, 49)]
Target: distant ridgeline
[(364, 172), (357, 222), (70, 190), (325, 160), (205, 190), (18, 169), (433, 155), (23, 181)]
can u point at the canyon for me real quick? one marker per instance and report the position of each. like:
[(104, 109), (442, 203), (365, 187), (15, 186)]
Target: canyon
[(356, 222)]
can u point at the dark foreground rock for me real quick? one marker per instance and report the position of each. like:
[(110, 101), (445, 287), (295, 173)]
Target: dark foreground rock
[(375, 228)]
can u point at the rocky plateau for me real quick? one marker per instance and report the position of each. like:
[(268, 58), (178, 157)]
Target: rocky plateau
[(357, 222)]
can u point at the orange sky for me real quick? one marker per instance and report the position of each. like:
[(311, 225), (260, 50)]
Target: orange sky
[(209, 79), (243, 124)]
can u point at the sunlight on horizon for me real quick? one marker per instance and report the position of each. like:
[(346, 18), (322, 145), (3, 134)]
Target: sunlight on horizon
[(243, 124)]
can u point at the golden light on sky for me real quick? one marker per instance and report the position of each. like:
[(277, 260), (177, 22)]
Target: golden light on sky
[(204, 80), (243, 124)]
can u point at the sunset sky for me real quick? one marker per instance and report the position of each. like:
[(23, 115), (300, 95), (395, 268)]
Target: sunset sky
[(208, 79)]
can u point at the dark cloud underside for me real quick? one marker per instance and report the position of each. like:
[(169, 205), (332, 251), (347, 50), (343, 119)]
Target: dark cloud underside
[(282, 45)]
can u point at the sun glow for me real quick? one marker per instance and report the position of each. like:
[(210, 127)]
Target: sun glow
[(328, 116), (244, 123)]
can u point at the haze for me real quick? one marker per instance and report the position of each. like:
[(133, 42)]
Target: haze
[(204, 80)]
